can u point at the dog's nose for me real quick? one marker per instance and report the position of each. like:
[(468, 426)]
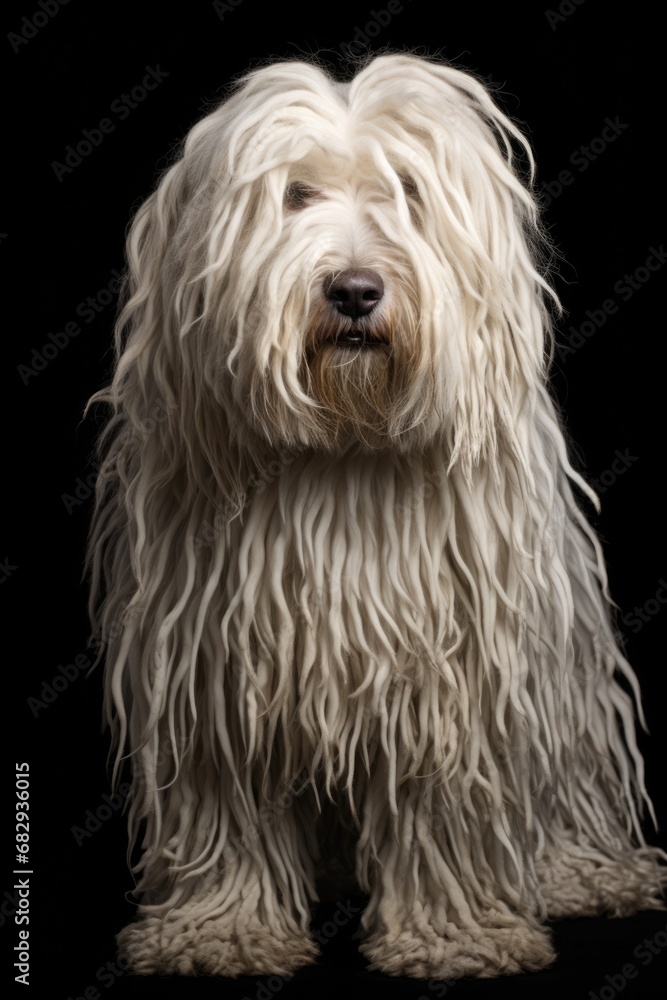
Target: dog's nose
[(355, 292)]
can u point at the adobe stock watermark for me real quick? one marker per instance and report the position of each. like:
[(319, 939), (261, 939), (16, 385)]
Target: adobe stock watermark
[(266, 989), (210, 531), (645, 952), (221, 7), (581, 158), (64, 676), (417, 496), (82, 491), (341, 916), (271, 813), (84, 487), (563, 523), (625, 288), (56, 342), (106, 976), (377, 21), (31, 25), (438, 988), (120, 107), (9, 906), (6, 569), (623, 460), (565, 10), (114, 802), (641, 615), (93, 819)]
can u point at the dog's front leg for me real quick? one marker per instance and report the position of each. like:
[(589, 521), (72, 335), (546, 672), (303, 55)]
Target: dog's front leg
[(246, 914), (447, 898)]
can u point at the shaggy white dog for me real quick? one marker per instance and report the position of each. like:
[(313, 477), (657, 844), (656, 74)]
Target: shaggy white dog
[(337, 559)]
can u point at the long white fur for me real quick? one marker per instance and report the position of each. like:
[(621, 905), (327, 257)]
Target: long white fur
[(405, 608)]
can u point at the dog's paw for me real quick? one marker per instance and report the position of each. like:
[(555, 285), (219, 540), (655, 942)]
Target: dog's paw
[(420, 949), (216, 947), (576, 883)]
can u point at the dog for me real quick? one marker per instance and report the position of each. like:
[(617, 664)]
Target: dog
[(355, 620)]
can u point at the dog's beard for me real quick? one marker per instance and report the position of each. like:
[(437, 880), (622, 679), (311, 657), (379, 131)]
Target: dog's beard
[(354, 385), (359, 372)]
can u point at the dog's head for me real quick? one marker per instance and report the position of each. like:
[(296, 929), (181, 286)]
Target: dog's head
[(333, 263)]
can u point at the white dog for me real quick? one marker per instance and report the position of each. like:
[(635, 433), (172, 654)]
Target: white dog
[(337, 559)]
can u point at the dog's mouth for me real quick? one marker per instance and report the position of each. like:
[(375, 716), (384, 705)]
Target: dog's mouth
[(349, 334), (355, 338)]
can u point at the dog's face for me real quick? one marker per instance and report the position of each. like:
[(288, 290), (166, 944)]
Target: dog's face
[(349, 263), (358, 331)]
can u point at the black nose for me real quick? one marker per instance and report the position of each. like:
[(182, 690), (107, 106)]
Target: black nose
[(355, 292)]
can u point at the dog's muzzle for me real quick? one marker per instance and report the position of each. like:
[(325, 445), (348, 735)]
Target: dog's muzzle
[(354, 294)]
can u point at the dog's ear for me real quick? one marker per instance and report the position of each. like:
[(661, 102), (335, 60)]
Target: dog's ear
[(473, 169), (166, 387), (169, 476), (499, 253), (507, 331)]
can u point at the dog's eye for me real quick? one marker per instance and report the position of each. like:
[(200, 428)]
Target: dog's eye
[(298, 195), (413, 198)]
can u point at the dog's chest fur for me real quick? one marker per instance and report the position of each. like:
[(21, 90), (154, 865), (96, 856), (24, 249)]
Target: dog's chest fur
[(340, 597)]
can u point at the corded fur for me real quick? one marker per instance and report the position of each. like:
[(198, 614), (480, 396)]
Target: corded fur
[(363, 573)]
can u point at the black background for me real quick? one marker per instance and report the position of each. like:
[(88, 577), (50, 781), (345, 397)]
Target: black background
[(562, 75)]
